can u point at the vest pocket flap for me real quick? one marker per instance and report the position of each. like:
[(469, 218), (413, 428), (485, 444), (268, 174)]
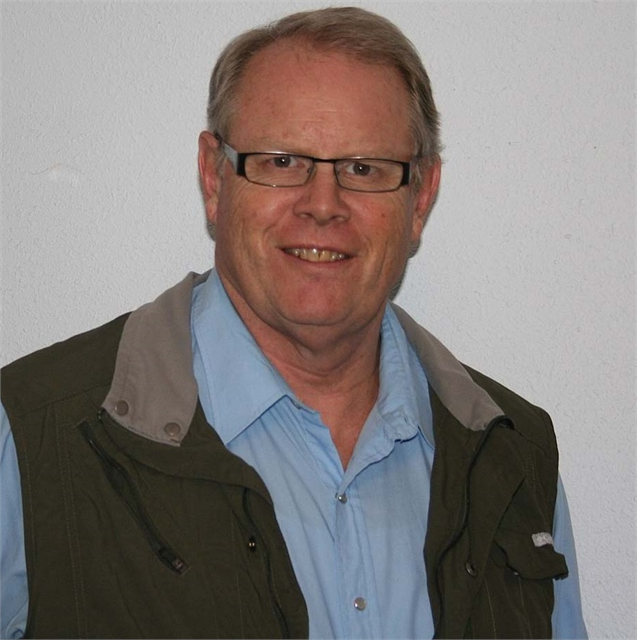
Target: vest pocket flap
[(527, 559)]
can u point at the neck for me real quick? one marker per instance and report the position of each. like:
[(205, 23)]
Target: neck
[(350, 369), (341, 384), (333, 370)]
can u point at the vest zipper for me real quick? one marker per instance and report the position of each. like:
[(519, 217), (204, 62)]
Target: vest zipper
[(121, 482), (276, 605), (466, 505)]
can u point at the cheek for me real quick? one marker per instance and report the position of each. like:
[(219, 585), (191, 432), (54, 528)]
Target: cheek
[(233, 210), (248, 216), (398, 230), (391, 244)]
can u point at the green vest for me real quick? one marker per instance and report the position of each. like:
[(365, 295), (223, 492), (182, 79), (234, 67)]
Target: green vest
[(140, 523)]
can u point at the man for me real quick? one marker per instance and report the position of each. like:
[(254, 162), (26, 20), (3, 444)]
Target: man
[(271, 449)]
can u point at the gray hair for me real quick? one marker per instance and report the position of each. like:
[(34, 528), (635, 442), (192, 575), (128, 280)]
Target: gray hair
[(352, 31)]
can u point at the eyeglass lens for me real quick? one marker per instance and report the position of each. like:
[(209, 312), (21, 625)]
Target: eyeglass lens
[(286, 170)]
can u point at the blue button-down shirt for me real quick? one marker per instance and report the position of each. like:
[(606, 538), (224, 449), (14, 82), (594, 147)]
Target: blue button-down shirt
[(355, 535)]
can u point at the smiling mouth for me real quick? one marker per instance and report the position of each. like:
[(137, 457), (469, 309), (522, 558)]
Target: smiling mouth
[(316, 255)]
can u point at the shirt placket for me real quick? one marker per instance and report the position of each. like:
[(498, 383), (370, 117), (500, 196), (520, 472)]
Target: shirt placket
[(358, 597)]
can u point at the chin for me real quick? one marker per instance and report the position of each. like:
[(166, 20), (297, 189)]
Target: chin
[(316, 319)]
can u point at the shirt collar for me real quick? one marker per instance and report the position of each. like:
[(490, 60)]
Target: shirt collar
[(238, 383), (238, 379), (404, 391)]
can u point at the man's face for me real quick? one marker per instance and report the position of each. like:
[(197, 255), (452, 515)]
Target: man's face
[(309, 102)]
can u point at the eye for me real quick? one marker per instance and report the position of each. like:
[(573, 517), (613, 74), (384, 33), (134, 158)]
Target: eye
[(283, 162), (357, 169), (361, 169)]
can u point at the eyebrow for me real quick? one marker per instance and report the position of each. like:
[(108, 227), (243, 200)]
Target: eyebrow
[(266, 145), (352, 156)]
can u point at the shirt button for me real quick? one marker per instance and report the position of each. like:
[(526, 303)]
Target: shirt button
[(341, 497), (360, 604), (172, 429), (252, 544), (470, 569), (122, 408)]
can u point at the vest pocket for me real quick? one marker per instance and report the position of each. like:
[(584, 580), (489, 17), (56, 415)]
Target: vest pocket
[(123, 486), (516, 598), (526, 559)]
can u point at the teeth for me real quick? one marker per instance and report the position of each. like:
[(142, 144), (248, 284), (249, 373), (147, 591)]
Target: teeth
[(316, 255)]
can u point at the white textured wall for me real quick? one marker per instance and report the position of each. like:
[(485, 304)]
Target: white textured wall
[(527, 266)]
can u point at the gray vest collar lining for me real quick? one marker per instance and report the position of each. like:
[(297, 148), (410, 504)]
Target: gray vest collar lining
[(154, 391)]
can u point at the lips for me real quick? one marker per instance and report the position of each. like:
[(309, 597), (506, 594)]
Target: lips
[(315, 254)]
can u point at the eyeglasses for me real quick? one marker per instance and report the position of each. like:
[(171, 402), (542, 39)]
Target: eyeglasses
[(280, 169)]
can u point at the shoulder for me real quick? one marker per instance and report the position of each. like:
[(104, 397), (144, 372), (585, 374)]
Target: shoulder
[(82, 362), (530, 420), (473, 398)]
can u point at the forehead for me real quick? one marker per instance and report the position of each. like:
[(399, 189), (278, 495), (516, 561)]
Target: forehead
[(295, 94)]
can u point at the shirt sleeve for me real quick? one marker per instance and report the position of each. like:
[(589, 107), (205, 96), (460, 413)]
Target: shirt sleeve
[(14, 596), (568, 621)]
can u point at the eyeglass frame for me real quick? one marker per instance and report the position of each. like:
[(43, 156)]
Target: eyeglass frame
[(238, 161)]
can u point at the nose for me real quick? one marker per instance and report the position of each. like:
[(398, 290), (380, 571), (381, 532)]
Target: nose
[(321, 197)]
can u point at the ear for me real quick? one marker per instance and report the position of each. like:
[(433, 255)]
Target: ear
[(208, 173), (425, 197)]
